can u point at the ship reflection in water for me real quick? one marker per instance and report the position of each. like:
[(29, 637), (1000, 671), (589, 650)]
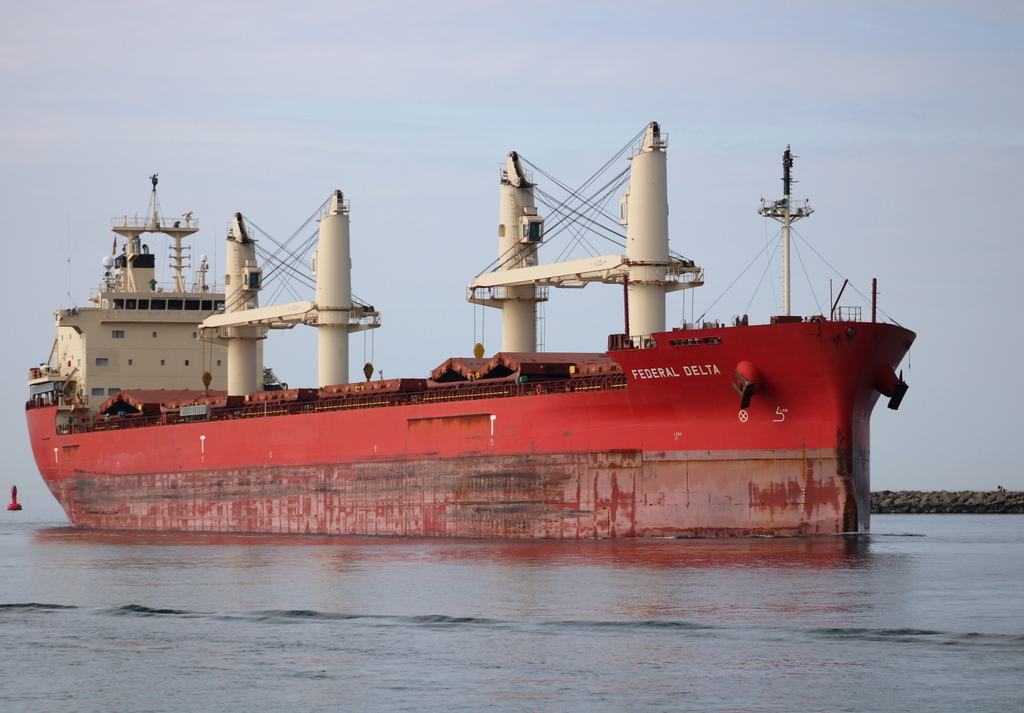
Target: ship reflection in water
[(879, 622), (829, 552), (707, 579)]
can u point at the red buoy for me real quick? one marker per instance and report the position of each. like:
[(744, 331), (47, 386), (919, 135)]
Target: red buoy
[(15, 505)]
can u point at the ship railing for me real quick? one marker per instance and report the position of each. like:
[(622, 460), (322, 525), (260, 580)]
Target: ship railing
[(54, 398), (661, 142), (41, 401), (38, 372), (67, 429), (499, 293), (165, 290), (848, 314), (503, 174), (146, 222), (631, 341), (325, 210), (117, 423), (777, 208), (457, 391)]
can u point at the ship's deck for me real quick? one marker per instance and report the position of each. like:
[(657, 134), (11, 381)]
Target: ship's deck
[(295, 401)]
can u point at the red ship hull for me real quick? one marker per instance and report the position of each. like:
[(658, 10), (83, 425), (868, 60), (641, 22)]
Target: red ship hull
[(670, 454)]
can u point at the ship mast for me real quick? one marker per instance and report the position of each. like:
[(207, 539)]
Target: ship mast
[(787, 221), (177, 249), (243, 282), (646, 220), (787, 212), (132, 228), (333, 271), (520, 231)]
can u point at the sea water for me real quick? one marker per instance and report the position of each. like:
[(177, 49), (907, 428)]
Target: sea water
[(924, 614)]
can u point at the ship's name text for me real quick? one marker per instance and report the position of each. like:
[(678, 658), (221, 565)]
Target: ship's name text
[(695, 370)]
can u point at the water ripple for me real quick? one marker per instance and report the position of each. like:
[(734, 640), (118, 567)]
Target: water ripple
[(36, 605)]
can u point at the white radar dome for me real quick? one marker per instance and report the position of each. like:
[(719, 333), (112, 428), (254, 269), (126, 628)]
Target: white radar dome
[(108, 261), (202, 258)]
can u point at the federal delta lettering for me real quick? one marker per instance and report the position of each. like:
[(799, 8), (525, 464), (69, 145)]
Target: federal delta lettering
[(695, 370)]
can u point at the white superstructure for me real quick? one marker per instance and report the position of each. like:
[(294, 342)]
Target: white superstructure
[(137, 334)]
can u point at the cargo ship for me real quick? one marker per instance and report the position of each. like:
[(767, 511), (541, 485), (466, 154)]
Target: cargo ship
[(154, 411)]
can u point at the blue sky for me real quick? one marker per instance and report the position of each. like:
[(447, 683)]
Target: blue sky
[(906, 118)]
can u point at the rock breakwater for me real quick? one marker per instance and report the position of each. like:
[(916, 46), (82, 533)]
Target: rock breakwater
[(965, 501)]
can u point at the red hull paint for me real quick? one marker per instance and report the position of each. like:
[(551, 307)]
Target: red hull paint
[(668, 455)]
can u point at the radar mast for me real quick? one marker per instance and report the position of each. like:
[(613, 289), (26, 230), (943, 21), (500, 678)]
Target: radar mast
[(787, 212), (132, 227)]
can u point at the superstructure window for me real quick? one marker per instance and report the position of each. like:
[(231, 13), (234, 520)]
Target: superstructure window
[(130, 304), (143, 304), (117, 334), (97, 392), (111, 392), (218, 305), (118, 304), (129, 362), (218, 362), (162, 362), (174, 304), (102, 361), (191, 304), (207, 305), (154, 335), (186, 362), (158, 304)]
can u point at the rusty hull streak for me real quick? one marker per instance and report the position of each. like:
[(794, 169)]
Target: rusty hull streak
[(613, 494)]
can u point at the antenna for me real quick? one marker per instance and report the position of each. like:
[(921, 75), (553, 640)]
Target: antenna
[(787, 166), (787, 212), (154, 204), (69, 259)]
